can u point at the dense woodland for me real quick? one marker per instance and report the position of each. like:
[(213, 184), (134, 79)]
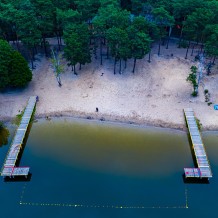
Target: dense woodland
[(122, 29)]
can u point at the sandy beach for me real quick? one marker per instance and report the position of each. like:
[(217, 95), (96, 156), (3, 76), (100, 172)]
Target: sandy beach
[(155, 95)]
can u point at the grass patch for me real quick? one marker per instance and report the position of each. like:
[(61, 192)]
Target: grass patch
[(33, 115), (18, 118), (199, 124)]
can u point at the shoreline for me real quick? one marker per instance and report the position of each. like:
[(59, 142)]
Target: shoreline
[(100, 117), (154, 96)]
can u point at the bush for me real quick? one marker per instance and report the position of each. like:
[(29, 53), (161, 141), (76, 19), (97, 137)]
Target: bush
[(14, 70), (20, 73), (205, 91), (18, 118), (199, 124), (194, 94), (192, 78)]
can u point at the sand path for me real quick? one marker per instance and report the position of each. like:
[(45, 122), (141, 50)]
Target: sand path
[(155, 95)]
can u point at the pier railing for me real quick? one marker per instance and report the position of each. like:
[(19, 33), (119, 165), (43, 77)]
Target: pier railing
[(9, 168), (203, 170)]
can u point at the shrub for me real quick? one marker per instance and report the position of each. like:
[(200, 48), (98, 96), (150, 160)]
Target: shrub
[(199, 124), (192, 78), (20, 73), (14, 70), (205, 91), (194, 94), (18, 118)]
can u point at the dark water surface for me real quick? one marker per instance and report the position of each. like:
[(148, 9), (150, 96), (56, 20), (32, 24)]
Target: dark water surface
[(89, 169)]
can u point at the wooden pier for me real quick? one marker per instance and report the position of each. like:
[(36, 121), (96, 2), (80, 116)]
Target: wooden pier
[(9, 168), (203, 170)]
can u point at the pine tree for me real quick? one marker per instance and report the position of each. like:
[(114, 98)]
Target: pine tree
[(77, 45), (5, 58)]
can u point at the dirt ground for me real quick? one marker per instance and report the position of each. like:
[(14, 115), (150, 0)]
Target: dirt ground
[(155, 95)]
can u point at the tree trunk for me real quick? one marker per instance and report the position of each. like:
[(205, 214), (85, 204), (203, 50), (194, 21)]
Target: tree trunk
[(193, 48), (33, 52), (209, 68), (214, 58), (196, 89), (60, 38), (201, 42), (6, 37), (80, 66), (163, 41), (59, 80), (17, 45), (101, 50), (168, 39), (35, 48), (44, 45), (31, 58), (107, 52), (95, 48), (159, 47), (59, 47), (115, 61), (180, 37), (187, 49), (133, 71), (120, 66), (17, 42), (149, 56), (74, 69), (201, 48)]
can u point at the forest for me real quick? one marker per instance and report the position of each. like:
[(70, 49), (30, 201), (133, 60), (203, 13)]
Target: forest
[(121, 29)]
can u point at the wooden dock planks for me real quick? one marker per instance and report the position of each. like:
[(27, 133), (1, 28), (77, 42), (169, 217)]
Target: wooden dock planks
[(203, 170), (9, 168)]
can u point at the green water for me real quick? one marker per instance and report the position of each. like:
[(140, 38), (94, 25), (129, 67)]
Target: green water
[(89, 169)]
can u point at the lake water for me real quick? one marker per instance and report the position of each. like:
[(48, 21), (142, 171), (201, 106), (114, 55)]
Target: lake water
[(91, 169)]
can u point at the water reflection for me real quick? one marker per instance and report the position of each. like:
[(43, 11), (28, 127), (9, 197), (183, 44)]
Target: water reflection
[(88, 163), (109, 148), (18, 178)]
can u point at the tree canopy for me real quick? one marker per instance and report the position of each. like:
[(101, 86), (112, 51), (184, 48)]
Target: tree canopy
[(14, 71), (90, 24)]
